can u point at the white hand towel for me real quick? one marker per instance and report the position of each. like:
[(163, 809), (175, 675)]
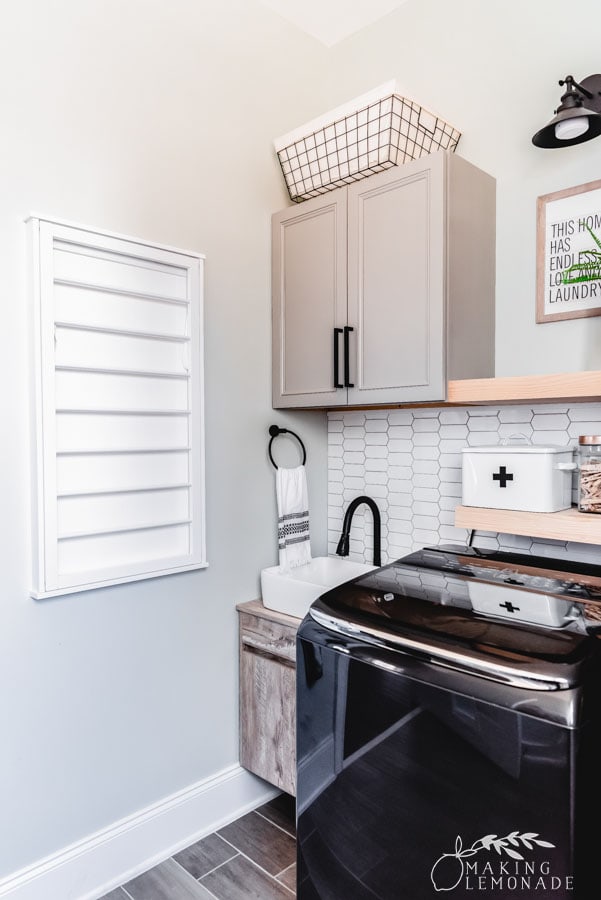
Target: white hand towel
[(293, 518)]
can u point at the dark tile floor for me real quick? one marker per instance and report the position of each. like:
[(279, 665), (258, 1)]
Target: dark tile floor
[(254, 858)]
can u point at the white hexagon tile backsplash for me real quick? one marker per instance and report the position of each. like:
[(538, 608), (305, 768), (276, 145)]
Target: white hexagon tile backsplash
[(409, 461)]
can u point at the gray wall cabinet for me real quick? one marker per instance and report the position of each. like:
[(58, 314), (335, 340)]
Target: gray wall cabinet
[(384, 290)]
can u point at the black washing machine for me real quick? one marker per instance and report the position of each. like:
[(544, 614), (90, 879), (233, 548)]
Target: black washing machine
[(449, 744)]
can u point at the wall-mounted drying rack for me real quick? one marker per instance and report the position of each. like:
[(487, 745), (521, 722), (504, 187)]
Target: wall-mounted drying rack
[(119, 465), (275, 431)]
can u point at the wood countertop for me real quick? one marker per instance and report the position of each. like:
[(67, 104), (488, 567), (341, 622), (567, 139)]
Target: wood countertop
[(256, 608)]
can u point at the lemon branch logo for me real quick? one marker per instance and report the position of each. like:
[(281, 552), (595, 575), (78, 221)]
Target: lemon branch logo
[(449, 869)]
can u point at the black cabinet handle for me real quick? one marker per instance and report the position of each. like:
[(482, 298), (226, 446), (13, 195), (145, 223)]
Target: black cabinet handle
[(337, 384), (347, 331)]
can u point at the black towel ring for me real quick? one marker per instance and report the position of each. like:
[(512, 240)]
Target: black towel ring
[(275, 431)]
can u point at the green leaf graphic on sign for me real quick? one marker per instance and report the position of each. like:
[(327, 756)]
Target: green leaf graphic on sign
[(588, 267)]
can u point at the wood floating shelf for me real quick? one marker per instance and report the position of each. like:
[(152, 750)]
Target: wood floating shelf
[(565, 525), (566, 387), (575, 386)]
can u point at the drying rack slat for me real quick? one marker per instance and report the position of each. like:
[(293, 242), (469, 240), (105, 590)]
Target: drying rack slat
[(107, 370), (122, 529), (111, 289), (105, 451), (114, 411), (145, 489), (123, 332)]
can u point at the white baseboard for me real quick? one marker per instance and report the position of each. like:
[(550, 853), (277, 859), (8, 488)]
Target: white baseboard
[(90, 868)]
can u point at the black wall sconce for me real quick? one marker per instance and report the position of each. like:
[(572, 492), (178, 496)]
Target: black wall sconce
[(577, 118)]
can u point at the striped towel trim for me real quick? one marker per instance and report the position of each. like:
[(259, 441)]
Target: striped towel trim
[(298, 515), (293, 529)]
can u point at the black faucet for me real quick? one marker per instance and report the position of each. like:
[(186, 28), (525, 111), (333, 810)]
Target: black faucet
[(343, 543)]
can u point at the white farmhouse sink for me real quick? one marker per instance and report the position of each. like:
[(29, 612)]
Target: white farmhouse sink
[(294, 592)]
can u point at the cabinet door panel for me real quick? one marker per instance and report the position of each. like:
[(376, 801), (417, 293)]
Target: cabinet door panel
[(396, 284), (309, 301), (267, 717)]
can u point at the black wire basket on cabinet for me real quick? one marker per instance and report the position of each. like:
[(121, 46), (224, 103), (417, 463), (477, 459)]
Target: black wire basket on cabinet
[(382, 134)]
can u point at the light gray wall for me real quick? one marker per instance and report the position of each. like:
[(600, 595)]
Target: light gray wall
[(154, 119), (491, 69)]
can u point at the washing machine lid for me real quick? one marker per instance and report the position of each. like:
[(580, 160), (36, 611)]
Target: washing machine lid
[(513, 618)]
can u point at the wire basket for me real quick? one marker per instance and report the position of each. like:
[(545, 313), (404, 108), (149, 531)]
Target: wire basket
[(386, 133)]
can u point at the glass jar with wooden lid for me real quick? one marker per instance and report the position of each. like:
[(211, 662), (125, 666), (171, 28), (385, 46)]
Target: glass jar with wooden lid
[(589, 481)]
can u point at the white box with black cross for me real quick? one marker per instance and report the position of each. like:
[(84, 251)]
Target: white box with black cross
[(518, 476)]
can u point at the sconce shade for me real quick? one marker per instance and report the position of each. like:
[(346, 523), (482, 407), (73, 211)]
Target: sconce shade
[(578, 117)]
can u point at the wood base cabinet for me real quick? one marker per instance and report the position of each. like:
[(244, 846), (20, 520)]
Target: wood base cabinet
[(268, 695), (384, 290)]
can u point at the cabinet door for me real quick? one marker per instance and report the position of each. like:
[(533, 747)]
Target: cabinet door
[(268, 706), (309, 301), (396, 301)]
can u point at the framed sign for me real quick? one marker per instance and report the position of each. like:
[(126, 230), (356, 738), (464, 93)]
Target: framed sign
[(568, 253)]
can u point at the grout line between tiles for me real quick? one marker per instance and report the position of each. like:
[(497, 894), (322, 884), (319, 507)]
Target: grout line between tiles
[(282, 883), (279, 875), (214, 869), (196, 881), (127, 894), (267, 819), (256, 864), (210, 893)]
